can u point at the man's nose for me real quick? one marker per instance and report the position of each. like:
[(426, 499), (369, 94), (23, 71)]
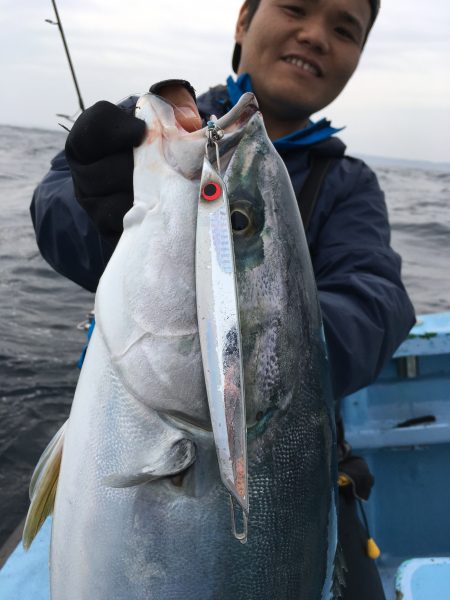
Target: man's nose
[(312, 33)]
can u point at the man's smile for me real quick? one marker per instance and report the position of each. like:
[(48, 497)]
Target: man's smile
[(305, 64)]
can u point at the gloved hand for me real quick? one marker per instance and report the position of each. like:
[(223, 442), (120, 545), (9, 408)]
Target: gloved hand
[(99, 150)]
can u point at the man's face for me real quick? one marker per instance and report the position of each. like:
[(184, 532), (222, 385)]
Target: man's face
[(301, 53)]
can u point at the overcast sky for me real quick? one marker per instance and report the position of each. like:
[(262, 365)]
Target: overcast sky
[(396, 105)]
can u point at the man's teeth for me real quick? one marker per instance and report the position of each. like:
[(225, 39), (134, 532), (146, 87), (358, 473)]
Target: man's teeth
[(302, 64)]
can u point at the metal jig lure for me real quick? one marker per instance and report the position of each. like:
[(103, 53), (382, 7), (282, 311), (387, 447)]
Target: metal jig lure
[(219, 330)]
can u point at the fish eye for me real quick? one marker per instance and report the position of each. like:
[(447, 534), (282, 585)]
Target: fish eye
[(240, 221)]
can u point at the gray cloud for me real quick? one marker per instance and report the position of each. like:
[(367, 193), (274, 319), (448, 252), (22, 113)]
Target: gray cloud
[(396, 104)]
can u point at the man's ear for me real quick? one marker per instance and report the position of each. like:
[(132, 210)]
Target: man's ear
[(241, 24)]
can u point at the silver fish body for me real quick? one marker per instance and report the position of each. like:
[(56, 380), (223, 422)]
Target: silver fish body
[(141, 511)]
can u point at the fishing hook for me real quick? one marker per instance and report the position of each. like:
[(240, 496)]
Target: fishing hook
[(214, 134)]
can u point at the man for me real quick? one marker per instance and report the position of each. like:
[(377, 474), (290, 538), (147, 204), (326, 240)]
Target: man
[(297, 56)]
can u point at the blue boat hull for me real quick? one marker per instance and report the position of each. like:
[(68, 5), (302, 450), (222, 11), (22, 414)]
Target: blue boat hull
[(401, 425)]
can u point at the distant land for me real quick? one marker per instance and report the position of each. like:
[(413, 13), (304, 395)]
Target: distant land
[(403, 163)]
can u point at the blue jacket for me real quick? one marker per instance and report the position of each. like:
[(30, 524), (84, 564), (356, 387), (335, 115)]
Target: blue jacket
[(366, 310)]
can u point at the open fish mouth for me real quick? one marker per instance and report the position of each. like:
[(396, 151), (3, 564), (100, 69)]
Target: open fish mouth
[(183, 150)]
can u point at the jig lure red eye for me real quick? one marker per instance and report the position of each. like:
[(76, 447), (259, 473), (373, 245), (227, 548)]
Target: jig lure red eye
[(211, 191)]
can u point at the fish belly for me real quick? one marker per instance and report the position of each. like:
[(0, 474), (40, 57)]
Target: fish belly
[(105, 539)]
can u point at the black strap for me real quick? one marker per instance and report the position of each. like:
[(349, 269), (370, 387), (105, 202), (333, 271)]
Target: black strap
[(309, 193)]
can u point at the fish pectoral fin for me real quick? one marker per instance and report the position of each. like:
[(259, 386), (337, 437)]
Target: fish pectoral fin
[(176, 459), (43, 487)]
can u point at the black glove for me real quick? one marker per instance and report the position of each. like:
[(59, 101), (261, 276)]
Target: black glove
[(99, 150)]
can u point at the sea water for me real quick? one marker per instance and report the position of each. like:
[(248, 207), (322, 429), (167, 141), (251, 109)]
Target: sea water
[(40, 310)]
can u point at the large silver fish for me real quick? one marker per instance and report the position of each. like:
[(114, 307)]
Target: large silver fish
[(141, 510)]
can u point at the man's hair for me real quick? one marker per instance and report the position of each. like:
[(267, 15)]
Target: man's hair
[(252, 7)]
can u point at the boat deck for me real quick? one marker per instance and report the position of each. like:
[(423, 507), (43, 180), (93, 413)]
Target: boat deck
[(24, 576)]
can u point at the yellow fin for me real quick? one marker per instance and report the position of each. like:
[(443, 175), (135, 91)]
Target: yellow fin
[(43, 487)]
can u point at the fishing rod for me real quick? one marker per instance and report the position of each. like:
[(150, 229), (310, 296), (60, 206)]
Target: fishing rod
[(66, 48)]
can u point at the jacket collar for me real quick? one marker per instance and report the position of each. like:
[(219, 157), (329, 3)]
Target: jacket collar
[(313, 133)]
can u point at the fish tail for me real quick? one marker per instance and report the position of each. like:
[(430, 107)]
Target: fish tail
[(44, 483)]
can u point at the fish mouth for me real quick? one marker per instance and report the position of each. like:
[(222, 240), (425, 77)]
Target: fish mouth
[(241, 113), (234, 119), (184, 150), (304, 63)]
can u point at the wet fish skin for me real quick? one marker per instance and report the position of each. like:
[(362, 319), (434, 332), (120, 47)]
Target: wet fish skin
[(141, 398), (289, 404)]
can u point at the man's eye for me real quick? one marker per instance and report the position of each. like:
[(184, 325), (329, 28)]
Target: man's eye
[(294, 9), (345, 33)]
